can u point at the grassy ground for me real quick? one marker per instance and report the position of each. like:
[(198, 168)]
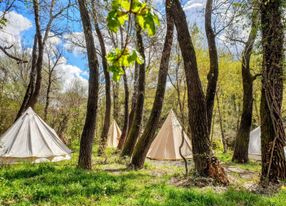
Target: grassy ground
[(109, 183)]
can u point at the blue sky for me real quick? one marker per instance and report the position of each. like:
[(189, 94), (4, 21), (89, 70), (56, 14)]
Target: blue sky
[(79, 60), (75, 60)]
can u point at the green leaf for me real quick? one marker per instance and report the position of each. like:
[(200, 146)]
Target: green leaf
[(122, 18), (135, 57), (137, 6), (125, 4), (112, 21), (140, 20), (149, 24), (117, 59), (117, 72), (121, 10)]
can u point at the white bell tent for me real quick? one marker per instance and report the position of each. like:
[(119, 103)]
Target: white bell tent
[(254, 147), (30, 139), (114, 134), (168, 140)]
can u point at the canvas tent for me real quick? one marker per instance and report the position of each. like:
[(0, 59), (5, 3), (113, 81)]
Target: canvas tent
[(166, 144), (254, 147), (114, 134), (31, 139)]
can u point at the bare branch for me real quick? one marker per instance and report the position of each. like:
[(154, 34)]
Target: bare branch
[(4, 50)]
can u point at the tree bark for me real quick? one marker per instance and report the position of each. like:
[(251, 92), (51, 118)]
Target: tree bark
[(214, 67), (33, 100), (106, 124), (87, 137), (221, 125), (33, 91), (37, 60), (126, 113), (63, 127), (48, 96), (51, 69), (145, 141), (240, 154), (116, 106), (196, 100), (30, 88), (138, 112), (272, 132), (134, 97), (205, 163)]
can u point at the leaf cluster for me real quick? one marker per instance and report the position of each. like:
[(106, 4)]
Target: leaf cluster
[(122, 9), (119, 58)]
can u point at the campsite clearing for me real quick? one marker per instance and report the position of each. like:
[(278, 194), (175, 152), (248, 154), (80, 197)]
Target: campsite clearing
[(111, 184)]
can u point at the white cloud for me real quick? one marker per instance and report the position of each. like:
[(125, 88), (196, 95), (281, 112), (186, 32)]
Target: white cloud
[(190, 5), (53, 40), (11, 33), (75, 42), (69, 73)]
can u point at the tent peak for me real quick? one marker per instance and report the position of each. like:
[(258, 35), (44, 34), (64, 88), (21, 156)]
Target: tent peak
[(114, 134), (172, 113), (30, 111)]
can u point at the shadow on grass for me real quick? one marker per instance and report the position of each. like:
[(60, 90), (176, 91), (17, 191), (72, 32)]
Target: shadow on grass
[(36, 184), (48, 184)]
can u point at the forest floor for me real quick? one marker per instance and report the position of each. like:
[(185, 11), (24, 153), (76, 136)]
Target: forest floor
[(110, 183)]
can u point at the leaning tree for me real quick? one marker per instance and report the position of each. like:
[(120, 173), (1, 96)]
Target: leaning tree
[(242, 139), (53, 11), (205, 163), (87, 137), (145, 141), (106, 122)]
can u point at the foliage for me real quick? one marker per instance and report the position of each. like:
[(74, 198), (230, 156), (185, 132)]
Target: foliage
[(3, 22), (109, 184), (121, 10), (120, 13), (118, 59)]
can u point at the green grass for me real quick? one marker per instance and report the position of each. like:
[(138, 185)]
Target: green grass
[(109, 184), (226, 158)]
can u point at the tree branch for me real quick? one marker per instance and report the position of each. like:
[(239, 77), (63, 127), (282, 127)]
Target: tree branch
[(4, 50)]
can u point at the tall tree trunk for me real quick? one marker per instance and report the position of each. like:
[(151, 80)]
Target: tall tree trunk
[(33, 74), (145, 141), (272, 132), (63, 127), (126, 113), (138, 112), (106, 124), (48, 96), (116, 105), (37, 55), (196, 100), (51, 69), (213, 72), (33, 90), (134, 96), (212, 128), (33, 100), (205, 163), (87, 137), (221, 125), (240, 154)]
